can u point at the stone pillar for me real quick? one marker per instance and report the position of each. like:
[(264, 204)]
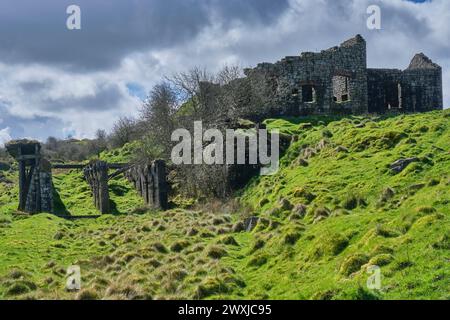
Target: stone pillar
[(150, 181), (159, 184), (96, 174), (35, 180)]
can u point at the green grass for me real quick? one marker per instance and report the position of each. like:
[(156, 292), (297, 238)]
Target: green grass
[(355, 213), (73, 195)]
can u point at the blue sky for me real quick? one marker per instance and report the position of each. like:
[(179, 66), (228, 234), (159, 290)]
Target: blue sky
[(59, 82)]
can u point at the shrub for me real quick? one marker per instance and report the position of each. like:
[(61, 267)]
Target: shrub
[(17, 274), (258, 244), (360, 294), (263, 202)]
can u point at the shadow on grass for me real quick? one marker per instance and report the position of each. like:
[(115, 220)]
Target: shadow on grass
[(58, 204)]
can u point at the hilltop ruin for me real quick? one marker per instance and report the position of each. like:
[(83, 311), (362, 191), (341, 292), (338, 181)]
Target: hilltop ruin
[(337, 81)]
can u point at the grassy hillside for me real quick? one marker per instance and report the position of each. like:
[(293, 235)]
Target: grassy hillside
[(334, 208)]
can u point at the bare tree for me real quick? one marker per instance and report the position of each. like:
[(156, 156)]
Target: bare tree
[(123, 132), (157, 114)]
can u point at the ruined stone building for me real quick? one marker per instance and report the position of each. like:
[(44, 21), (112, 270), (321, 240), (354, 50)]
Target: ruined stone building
[(337, 81)]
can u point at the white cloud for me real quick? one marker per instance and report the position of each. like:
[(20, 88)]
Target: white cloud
[(4, 136)]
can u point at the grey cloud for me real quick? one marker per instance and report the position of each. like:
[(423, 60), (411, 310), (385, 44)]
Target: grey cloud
[(31, 86), (107, 97), (37, 127), (35, 31)]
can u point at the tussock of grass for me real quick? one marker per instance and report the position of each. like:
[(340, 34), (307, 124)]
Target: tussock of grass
[(319, 227)]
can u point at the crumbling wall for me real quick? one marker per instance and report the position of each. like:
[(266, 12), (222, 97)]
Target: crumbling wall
[(416, 89), (386, 90), (304, 85), (337, 81)]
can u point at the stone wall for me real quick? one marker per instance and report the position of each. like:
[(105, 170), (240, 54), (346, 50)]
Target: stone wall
[(337, 81), (305, 84), (416, 89)]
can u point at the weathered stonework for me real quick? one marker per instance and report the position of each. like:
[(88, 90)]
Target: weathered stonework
[(337, 81), (150, 181), (96, 174), (35, 177)]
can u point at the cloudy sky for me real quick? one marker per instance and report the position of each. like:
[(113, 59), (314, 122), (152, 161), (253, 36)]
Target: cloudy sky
[(60, 82)]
